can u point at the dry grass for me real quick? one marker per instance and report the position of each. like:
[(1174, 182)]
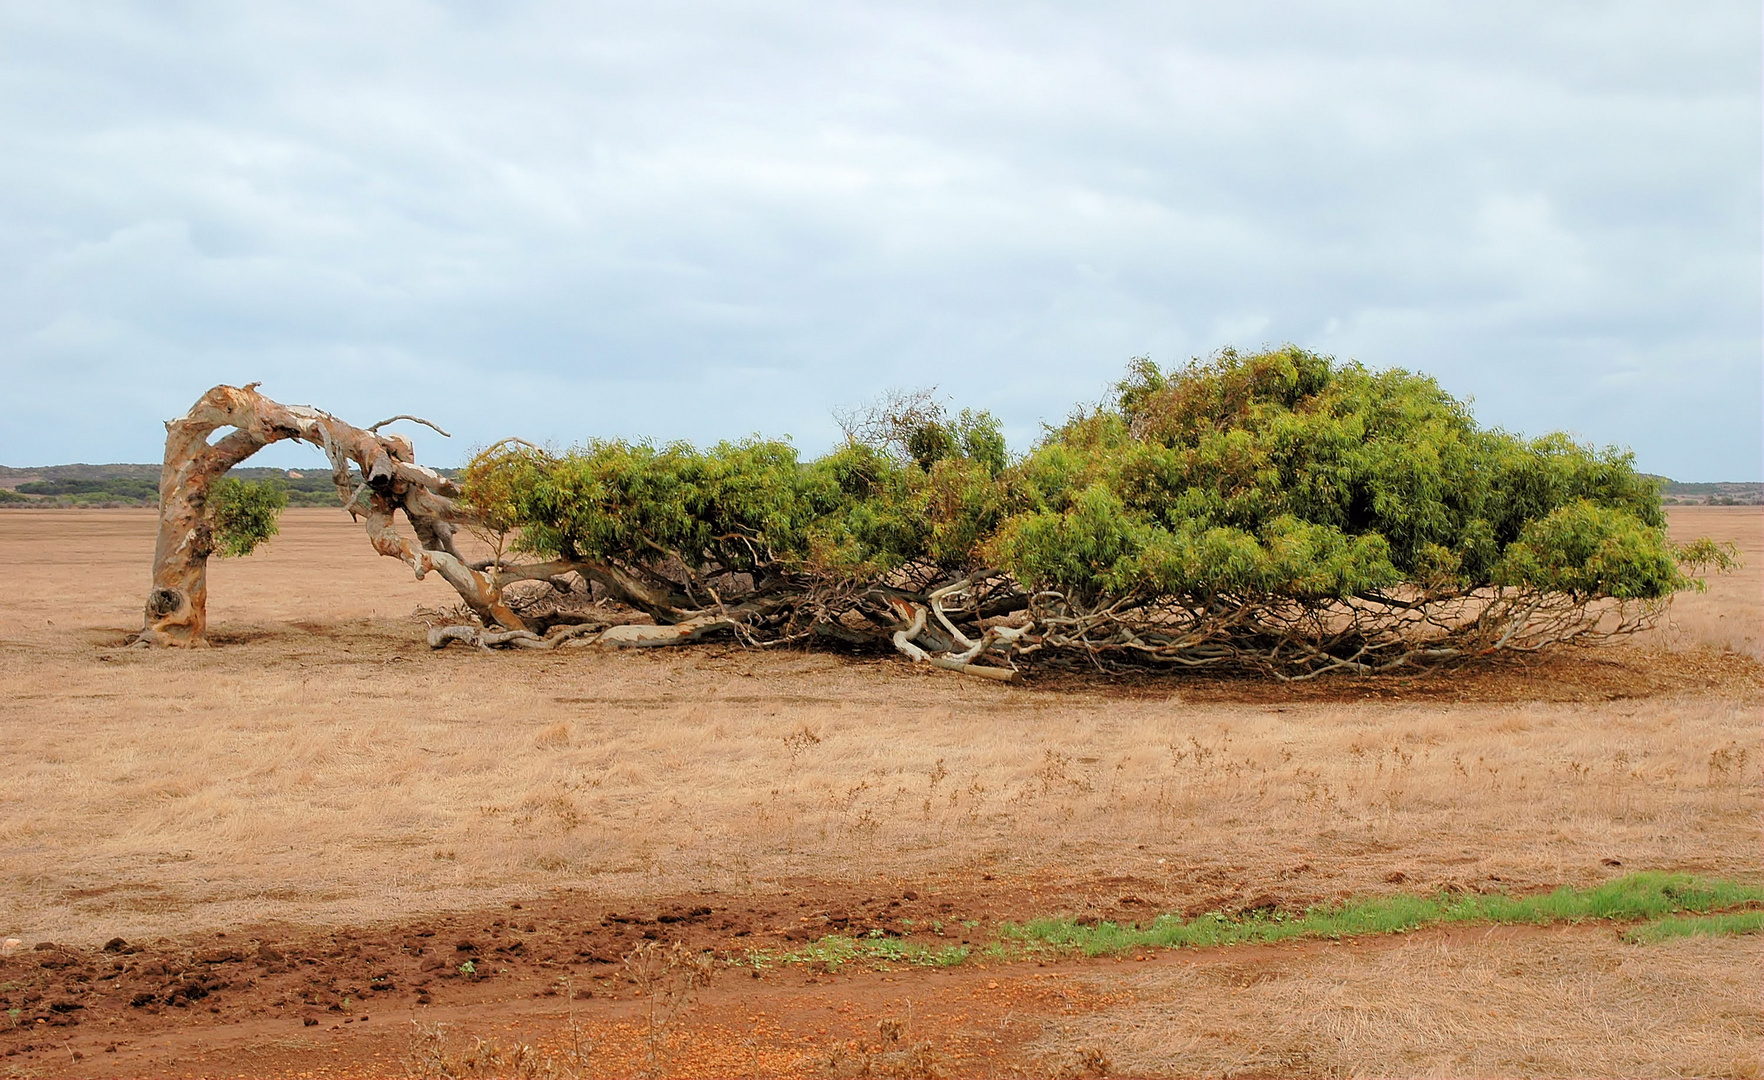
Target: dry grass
[(323, 767), (1488, 1003), (434, 1054), (337, 771), (202, 788), (1728, 615)]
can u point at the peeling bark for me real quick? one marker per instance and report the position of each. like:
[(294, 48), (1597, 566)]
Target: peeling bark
[(390, 481)]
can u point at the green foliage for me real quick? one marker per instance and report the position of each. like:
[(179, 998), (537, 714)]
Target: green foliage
[(1584, 549), (1704, 555), (980, 439), (635, 501), (915, 427), (1284, 473), (495, 485), (243, 514), (7, 495), (750, 506), (1240, 489)]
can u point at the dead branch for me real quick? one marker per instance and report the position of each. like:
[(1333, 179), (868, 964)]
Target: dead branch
[(414, 419)]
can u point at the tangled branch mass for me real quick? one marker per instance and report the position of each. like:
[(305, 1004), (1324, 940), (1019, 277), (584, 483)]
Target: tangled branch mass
[(1277, 513)]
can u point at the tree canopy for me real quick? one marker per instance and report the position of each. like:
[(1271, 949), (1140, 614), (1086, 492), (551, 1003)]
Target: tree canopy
[(1275, 510)]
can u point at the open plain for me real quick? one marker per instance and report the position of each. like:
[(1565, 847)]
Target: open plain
[(319, 848)]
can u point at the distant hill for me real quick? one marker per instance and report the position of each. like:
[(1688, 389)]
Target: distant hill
[(1677, 493), (107, 486)]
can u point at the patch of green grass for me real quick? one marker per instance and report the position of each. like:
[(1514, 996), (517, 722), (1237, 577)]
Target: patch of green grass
[(836, 950), (1677, 926), (1635, 897), (1669, 905)]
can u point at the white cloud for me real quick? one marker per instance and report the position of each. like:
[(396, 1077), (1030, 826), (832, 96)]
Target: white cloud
[(703, 221)]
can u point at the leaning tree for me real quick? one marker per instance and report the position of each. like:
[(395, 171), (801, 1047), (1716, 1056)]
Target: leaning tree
[(1276, 512), (376, 477)]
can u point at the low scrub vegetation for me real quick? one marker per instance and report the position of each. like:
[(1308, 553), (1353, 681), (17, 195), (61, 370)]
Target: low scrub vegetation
[(110, 487), (75, 486), (1279, 512)]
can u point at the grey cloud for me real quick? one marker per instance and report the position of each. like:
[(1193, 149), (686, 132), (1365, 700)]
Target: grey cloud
[(703, 221)]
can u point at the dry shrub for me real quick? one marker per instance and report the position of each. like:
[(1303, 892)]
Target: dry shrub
[(668, 978), (892, 1055), (432, 1055)]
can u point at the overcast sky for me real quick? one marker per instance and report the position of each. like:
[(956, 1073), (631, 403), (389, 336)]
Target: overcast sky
[(704, 220)]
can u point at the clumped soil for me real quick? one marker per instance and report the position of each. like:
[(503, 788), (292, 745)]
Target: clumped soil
[(551, 975), (116, 1005)]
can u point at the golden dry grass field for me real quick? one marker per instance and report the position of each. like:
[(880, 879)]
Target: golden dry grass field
[(321, 770)]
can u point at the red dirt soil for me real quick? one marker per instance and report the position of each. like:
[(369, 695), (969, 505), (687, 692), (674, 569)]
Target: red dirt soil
[(352, 1002), (364, 998)]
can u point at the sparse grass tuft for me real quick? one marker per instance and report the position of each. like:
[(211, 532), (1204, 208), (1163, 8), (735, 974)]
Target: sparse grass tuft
[(1681, 926), (1635, 897)]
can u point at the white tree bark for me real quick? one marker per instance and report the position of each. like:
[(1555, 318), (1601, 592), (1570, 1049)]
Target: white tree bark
[(177, 605)]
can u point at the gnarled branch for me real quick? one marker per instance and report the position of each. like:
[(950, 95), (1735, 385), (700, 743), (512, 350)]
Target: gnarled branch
[(177, 604)]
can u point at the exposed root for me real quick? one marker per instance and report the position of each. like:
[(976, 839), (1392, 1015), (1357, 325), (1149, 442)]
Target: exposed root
[(914, 616), (579, 635)]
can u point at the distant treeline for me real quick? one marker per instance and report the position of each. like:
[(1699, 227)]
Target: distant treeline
[(104, 486), (138, 485), (1678, 493)]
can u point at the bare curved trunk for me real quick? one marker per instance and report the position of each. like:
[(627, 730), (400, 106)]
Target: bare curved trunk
[(389, 481)]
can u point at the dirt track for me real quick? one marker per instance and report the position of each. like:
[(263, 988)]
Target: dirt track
[(543, 980), (389, 807)]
